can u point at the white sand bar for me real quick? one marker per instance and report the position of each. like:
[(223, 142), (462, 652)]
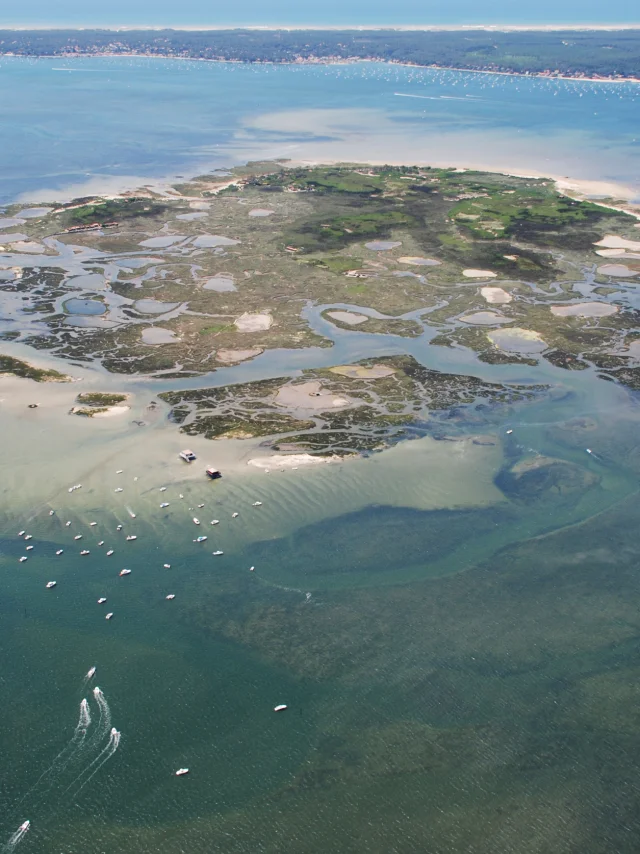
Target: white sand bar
[(309, 395), (362, 372), (584, 309), (237, 355), (612, 241), (258, 322), (496, 296), (288, 461), (618, 271), (349, 317), (517, 340), (479, 274), (419, 262)]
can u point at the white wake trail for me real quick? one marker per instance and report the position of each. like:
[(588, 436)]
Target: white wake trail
[(91, 770), (15, 838)]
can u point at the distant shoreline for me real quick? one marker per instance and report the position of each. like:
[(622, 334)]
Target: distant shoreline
[(402, 28)]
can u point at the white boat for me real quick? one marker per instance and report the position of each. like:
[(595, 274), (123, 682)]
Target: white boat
[(125, 572), (588, 450), (214, 474), (52, 512), (181, 495), (188, 456), (234, 515), (200, 506), (85, 552), (215, 521), (509, 432), (181, 772), (281, 708), (196, 521), (164, 504), (102, 600), (23, 558), (78, 537), (92, 524), (21, 533), (215, 554), (28, 548), (50, 584), (118, 527), (119, 489), (131, 513), (131, 537), (110, 552), (257, 503), (60, 551), (167, 565), (170, 596), (101, 543), (199, 539), (109, 615), (24, 826), (163, 489), (251, 568), (119, 471), (66, 524), (90, 673), (29, 537)]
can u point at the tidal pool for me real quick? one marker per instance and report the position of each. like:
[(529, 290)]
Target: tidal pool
[(383, 245), (517, 340), (220, 283), (584, 309), (158, 335), (84, 306), (154, 306), (485, 318), (162, 242), (208, 241), (261, 212)]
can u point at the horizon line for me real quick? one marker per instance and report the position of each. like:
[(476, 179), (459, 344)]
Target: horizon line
[(334, 27)]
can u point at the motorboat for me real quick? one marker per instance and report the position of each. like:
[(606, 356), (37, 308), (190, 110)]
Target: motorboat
[(21, 533), (164, 504), (131, 537), (214, 474), (119, 471), (52, 512), (109, 615), (281, 708), (215, 554), (196, 521), (188, 456), (215, 521), (252, 569), (24, 826), (101, 543), (102, 600), (181, 772), (199, 539), (78, 537), (170, 596), (163, 489), (50, 584), (92, 524), (200, 506), (125, 572), (28, 548), (60, 551), (110, 552), (23, 558), (131, 513), (29, 537), (234, 515), (67, 524), (91, 672), (257, 503), (85, 552), (118, 527), (119, 489), (167, 565)]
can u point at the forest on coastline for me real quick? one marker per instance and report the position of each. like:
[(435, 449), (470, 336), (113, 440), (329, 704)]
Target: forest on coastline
[(585, 53)]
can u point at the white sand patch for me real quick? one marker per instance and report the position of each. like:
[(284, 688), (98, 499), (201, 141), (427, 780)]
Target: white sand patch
[(258, 322), (618, 271), (584, 309), (287, 461), (362, 372), (309, 395), (479, 274), (111, 411), (496, 296), (29, 246), (419, 262), (237, 355), (349, 317), (612, 241), (517, 340)]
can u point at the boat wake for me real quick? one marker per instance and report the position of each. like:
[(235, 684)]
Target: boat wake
[(73, 767)]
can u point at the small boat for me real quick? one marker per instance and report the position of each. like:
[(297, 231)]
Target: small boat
[(60, 551), (199, 539), (181, 772), (29, 537), (234, 515), (215, 521), (215, 554), (167, 565), (163, 489), (78, 537), (28, 548), (109, 615), (509, 432), (92, 524), (118, 527), (164, 504), (23, 558), (67, 524), (200, 506), (281, 708), (257, 503), (252, 569), (21, 533), (110, 552), (188, 456), (181, 495), (131, 513), (90, 673), (119, 489), (170, 596), (101, 543), (102, 600), (24, 826), (196, 521), (52, 512), (214, 474), (131, 537), (125, 572), (119, 471), (588, 450), (50, 584), (85, 552)]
